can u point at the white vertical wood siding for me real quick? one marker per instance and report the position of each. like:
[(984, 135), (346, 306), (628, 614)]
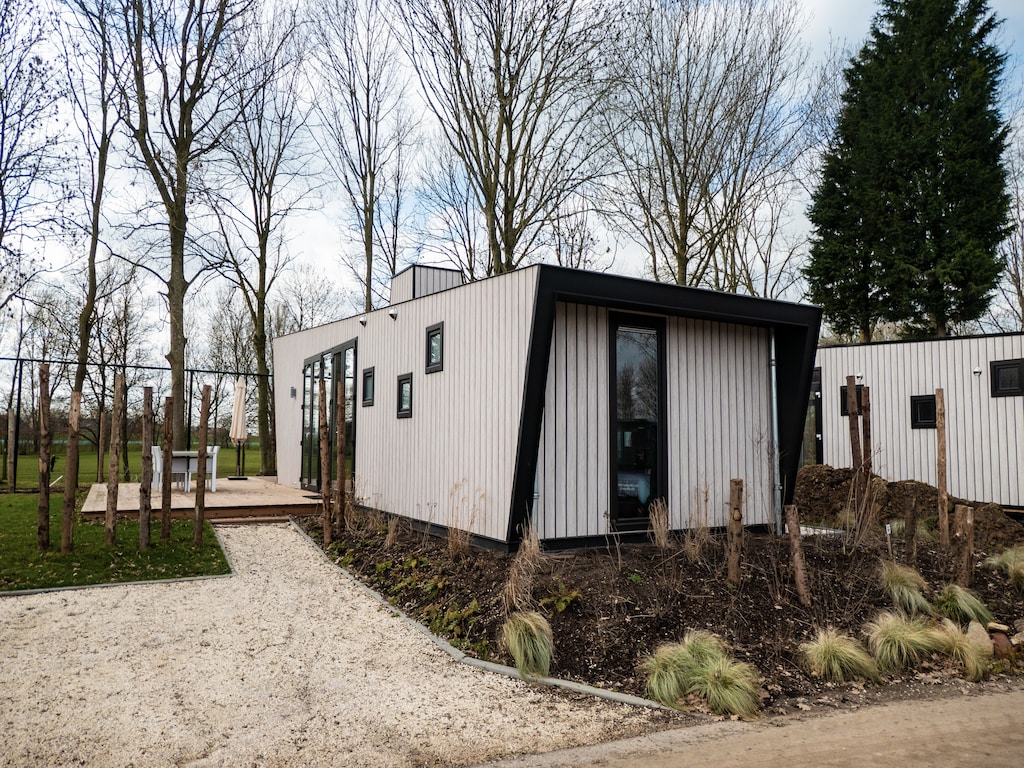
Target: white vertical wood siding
[(417, 281), (718, 417), (719, 421), (985, 447)]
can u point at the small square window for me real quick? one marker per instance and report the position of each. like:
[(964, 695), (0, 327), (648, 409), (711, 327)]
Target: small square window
[(435, 348), (844, 408), (368, 386), (922, 412), (1007, 378), (405, 396)]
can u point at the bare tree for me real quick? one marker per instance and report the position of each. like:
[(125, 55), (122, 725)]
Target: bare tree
[(93, 73), (359, 99), (29, 95), (514, 85), (179, 100), (306, 299), (708, 124), (266, 179)]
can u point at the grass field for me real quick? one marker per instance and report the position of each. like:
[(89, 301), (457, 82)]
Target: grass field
[(22, 566), (28, 465)]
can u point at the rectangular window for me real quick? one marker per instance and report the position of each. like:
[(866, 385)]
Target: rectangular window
[(405, 396), (1007, 378), (435, 348), (844, 409), (368, 386), (922, 412)]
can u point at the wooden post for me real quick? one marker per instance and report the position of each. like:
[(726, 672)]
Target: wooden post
[(940, 469), (910, 532), (101, 444), (856, 451), (200, 513), (45, 441), (734, 545), (865, 420), (11, 448), (325, 463), (166, 448), (796, 549), (114, 449), (146, 481), (67, 537), (338, 501), (964, 523)]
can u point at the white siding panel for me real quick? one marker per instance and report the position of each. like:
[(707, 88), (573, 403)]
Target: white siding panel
[(985, 446), (453, 462)]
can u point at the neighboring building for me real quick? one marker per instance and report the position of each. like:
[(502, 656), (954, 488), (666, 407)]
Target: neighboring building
[(572, 399), (982, 378)]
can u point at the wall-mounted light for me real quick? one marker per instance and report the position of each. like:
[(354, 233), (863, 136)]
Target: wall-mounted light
[(293, 393), (393, 313), (860, 377), (977, 371), (362, 320)]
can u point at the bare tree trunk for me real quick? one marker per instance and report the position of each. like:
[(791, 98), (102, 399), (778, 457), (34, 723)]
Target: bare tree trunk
[(67, 543), (165, 478), (110, 522), (339, 457), (101, 443), (796, 548), (325, 464), (45, 440), (200, 516), (11, 448), (146, 481), (940, 469), (964, 516), (734, 546)]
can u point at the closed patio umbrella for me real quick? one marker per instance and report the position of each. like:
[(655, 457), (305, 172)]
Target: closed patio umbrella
[(238, 431)]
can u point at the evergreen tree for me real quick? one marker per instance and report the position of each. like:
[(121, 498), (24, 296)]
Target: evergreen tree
[(912, 202)]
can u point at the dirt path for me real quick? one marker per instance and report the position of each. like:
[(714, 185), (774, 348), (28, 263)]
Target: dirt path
[(985, 730), (285, 663)]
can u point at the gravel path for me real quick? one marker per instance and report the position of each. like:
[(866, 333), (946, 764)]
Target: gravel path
[(285, 663)]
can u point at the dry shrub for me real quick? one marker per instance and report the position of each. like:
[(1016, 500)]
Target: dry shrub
[(697, 536), (518, 593), (392, 535), (660, 524), (527, 636)]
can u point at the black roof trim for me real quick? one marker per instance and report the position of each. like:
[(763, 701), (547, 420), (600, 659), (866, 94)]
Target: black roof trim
[(922, 341)]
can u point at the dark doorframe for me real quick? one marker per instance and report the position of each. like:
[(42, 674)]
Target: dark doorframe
[(637, 394)]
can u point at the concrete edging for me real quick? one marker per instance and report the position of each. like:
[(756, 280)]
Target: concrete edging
[(463, 658)]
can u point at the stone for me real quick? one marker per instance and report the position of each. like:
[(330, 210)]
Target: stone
[(1002, 648), (995, 626), (978, 635)]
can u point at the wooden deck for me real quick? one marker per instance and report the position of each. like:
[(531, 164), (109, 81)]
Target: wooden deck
[(255, 499)]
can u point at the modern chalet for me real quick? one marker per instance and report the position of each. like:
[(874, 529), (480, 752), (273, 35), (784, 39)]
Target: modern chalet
[(982, 379), (567, 398)]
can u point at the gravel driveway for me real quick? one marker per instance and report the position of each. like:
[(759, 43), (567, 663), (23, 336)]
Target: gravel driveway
[(284, 663)]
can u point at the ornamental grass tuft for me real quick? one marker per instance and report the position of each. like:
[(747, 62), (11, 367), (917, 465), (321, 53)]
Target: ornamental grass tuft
[(953, 642), (905, 587), (837, 657), (961, 605), (1011, 562), (898, 641), (527, 636)]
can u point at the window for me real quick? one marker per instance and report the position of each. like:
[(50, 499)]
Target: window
[(922, 412), (367, 386), (405, 396), (435, 348), (844, 409), (1007, 378)]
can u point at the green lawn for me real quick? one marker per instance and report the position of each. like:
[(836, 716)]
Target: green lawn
[(22, 566), (28, 464)]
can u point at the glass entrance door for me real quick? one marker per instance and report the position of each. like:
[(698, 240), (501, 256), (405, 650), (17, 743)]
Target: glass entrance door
[(638, 393)]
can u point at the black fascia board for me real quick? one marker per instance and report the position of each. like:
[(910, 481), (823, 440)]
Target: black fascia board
[(795, 327)]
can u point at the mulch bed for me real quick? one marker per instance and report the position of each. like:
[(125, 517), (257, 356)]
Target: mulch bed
[(610, 607)]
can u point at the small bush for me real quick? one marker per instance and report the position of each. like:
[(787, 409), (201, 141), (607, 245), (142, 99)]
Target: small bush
[(838, 657), (518, 592), (905, 587), (954, 643), (527, 636), (700, 664), (660, 524), (961, 605), (898, 641), (1011, 562)]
